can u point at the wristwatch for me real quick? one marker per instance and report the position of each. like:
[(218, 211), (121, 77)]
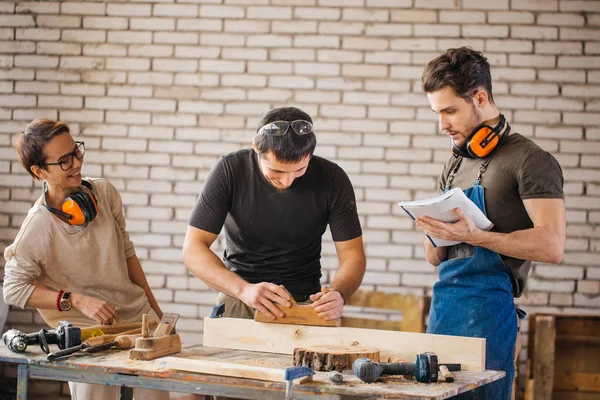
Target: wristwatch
[(65, 302)]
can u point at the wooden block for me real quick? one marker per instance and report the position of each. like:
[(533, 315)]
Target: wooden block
[(154, 347), (329, 358), (299, 314), (243, 334), (228, 369), (292, 300), (543, 363)]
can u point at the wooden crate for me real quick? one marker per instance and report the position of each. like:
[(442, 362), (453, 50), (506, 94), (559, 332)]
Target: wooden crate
[(563, 357)]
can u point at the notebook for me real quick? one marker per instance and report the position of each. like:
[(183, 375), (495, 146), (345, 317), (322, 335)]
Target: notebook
[(440, 208)]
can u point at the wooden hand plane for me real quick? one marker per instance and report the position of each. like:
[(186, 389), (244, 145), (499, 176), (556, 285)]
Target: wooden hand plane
[(162, 342)]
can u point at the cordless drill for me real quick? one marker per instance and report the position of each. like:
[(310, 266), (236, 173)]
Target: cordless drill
[(425, 368), (64, 336)]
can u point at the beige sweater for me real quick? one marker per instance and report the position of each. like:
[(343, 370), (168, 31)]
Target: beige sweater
[(90, 260)]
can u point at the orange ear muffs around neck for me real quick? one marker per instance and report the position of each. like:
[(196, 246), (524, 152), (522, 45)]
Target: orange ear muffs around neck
[(482, 141), (79, 208)]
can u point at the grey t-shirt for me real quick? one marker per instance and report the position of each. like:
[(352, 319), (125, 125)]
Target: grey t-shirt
[(519, 171)]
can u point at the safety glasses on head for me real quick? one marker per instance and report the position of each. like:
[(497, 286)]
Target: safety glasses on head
[(66, 162), (280, 128)]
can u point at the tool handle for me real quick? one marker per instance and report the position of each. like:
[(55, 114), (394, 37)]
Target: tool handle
[(395, 359), (452, 367), (97, 340), (62, 353), (403, 368), (100, 347), (336, 377), (446, 375), (126, 341)]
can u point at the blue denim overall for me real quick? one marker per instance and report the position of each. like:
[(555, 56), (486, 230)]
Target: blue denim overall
[(473, 297)]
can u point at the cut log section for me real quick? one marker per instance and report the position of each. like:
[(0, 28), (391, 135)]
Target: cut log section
[(329, 358)]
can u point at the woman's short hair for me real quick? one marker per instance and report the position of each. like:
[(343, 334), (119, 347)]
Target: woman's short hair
[(31, 142)]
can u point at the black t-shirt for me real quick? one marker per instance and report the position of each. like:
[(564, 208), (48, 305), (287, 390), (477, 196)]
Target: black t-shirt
[(275, 236)]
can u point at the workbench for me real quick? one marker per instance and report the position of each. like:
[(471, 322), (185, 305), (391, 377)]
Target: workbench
[(113, 367)]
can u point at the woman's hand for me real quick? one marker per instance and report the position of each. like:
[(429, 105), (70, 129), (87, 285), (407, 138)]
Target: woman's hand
[(96, 309)]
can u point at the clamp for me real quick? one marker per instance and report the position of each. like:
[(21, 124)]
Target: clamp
[(295, 373)]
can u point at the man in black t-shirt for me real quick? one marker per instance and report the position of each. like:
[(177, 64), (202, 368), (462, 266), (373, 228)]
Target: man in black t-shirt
[(275, 202)]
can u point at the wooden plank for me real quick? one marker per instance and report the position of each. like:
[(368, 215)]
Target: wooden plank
[(559, 395), (213, 367), (578, 325), (414, 308), (298, 314), (373, 324), (243, 334), (543, 361), (580, 382)]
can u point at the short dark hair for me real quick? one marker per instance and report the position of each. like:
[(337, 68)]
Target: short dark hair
[(289, 148), (463, 69), (31, 142)]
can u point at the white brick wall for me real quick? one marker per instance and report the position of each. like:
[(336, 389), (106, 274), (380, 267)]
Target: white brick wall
[(159, 91)]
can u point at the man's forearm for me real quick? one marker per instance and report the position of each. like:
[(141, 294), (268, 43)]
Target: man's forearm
[(207, 266), (348, 278), (535, 244)]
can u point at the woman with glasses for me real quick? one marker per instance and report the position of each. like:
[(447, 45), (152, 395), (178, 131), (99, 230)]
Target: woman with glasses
[(275, 201), (72, 259)]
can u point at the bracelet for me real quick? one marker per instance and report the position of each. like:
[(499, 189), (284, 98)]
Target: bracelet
[(58, 298)]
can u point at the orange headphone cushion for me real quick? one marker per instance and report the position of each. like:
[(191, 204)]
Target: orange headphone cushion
[(476, 140), (70, 206)]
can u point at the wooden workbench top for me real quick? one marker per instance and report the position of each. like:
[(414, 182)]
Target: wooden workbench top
[(392, 387)]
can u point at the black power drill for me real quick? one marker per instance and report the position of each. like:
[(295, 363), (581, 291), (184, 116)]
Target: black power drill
[(64, 336), (425, 368)]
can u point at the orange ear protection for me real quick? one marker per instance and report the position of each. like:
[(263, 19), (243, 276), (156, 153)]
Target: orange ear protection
[(482, 140), (79, 208)]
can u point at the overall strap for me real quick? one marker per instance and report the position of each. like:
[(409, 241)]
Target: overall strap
[(452, 173), (487, 162)]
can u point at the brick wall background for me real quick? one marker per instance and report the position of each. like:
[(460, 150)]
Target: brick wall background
[(159, 89)]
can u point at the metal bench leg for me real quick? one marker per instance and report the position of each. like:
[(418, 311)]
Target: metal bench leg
[(126, 393), (22, 378)]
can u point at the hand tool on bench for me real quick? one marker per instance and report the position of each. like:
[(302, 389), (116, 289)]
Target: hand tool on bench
[(425, 368), (295, 373), (161, 343), (64, 336), (336, 377), (120, 342), (300, 314), (89, 343), (447, 376)]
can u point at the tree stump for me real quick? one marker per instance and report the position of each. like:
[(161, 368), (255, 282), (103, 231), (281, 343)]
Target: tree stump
[(329, 358)]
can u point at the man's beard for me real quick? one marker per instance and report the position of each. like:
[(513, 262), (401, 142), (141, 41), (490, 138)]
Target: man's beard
[(476, 119)]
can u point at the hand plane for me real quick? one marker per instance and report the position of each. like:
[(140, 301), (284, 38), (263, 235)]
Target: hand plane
[(161, 342)]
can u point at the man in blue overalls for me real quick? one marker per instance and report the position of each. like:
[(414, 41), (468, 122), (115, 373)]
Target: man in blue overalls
[(517, 185)]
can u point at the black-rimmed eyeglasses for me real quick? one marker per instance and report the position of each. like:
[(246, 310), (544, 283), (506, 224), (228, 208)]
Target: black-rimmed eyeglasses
[(280, 128), (66, 162)]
